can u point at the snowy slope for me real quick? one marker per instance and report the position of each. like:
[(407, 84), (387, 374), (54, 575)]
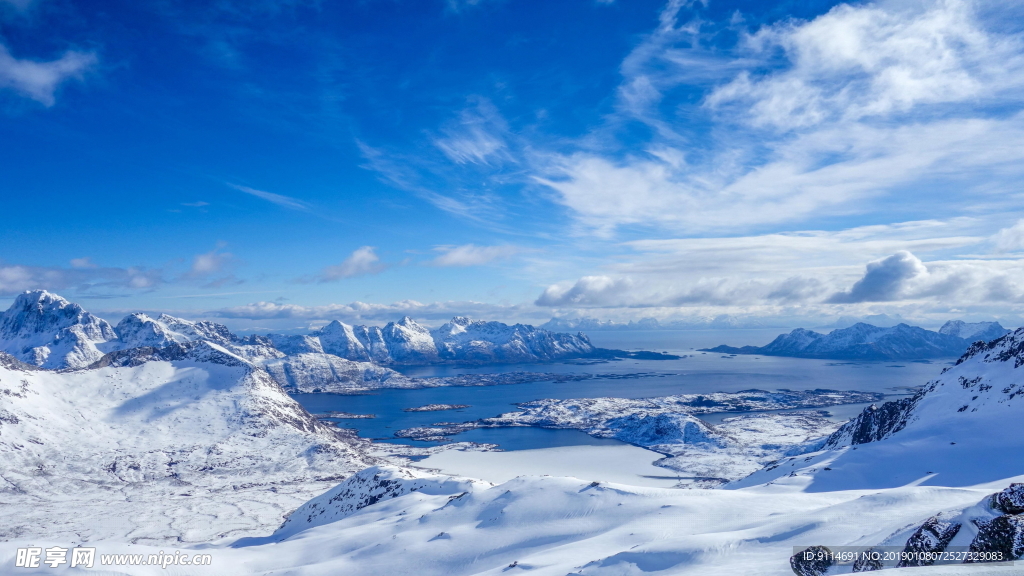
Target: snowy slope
[(963, 428), (557, 526), (46, 330), (311, 372), (860, 342), (183, 443)]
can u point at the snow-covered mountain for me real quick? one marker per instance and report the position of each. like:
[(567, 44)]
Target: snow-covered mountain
[(973, 332), (866, 342), (184, 443), (46, 330), (312, 372), (43, 329), (963, 428), (138, 329), (459, 340)]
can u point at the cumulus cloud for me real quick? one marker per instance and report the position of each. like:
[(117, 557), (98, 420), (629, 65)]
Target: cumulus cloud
[(363, 261), (40, 80), (884, 280), (472, 255), (819, 270), (279, 199), (588, 291)]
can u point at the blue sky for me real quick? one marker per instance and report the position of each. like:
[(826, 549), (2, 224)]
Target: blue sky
[(278, 163)]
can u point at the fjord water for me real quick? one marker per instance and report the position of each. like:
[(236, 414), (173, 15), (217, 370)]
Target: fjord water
[(696, 373)]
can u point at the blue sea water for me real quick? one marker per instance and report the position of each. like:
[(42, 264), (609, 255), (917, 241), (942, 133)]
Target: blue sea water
[(697, 372)]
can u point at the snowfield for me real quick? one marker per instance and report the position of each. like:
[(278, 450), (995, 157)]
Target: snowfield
[(192, 446), (188, 450), (559, 526), (700, 454)]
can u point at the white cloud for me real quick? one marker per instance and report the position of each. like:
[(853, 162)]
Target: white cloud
[(472, 255), (209, 263), (361, 262), (819, 271), (40, 80), (1010, 239), (279, 199), (858, 104), (884, 280), (872, 60), (357, 312), (93, 281), (82, 263), (477, 137), (588, 291)]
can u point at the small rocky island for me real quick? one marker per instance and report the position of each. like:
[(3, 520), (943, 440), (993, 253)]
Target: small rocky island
[(437, 407)]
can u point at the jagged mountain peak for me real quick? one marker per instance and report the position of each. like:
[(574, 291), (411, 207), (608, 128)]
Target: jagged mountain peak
[(44, 329), (39, 311)]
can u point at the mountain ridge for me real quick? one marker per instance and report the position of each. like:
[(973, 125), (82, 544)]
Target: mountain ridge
[(866, 342)]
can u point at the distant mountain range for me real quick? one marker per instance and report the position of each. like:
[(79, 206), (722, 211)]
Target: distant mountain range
[(866, 342), (45, 330)]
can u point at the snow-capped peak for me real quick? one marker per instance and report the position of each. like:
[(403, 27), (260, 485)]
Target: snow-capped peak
[(46, 330)]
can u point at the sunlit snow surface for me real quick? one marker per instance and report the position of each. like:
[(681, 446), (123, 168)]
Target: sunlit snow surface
[(184, 451), (559, 526), (204, 452)]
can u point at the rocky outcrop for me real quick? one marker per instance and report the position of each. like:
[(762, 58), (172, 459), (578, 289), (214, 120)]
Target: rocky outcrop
[(1010, 500), (1001, 537), (874, 423), (932, 536), (366, 488), (12, 363)]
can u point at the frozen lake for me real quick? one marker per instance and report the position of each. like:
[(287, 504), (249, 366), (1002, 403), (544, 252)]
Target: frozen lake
[(696, 373)]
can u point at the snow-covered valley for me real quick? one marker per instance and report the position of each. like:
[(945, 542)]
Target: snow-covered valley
[(189, 442)]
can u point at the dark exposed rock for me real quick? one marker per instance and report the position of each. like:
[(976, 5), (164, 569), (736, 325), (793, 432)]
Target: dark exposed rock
[(1010, 500), (814, 561), (12, 363), (874, 423), (867, 562), (1003, 535), (933, 536)]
